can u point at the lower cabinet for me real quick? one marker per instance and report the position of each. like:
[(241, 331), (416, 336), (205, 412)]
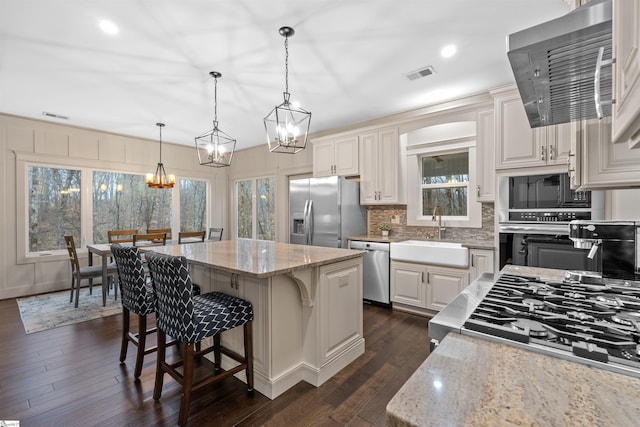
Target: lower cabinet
[(482, 261), (425, 286)]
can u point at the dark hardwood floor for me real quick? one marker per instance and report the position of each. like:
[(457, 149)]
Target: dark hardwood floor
[(70, 376)]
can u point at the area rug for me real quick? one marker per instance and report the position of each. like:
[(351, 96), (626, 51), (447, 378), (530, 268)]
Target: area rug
[(48, 311)]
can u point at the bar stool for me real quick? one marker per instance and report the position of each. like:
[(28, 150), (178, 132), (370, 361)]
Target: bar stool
[(138, 298), (189, 319)]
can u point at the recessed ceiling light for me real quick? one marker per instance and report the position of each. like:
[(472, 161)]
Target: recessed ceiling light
[(108, 27), (448, 51)]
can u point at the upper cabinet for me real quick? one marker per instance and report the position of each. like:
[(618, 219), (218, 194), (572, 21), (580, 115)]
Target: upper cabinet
[(626, 42), (600, 164), (336, 157), (486, 155), (520, 146), (380, 171)]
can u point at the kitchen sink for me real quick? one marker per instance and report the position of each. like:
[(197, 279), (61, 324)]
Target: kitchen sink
[(448, 254)]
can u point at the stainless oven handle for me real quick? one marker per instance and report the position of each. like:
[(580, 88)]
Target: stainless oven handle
[(539, 228)]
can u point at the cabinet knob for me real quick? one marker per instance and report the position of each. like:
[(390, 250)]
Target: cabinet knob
[(478, 190)]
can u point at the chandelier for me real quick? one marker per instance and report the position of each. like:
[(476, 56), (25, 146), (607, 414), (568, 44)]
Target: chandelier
[(215, 148), (160, 178), (287, 125)]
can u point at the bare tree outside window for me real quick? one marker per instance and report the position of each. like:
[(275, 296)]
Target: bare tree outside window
[(262, 190), (244, 209), (54, 207), (124, 201), (193, 205), (445, 183), (266, 202)]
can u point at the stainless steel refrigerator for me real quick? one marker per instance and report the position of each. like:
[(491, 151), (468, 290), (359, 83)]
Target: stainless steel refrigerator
[(325, 211)]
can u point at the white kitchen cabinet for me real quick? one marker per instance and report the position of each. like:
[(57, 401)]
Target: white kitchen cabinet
[(520, 146), (380, 174), (407, 284), (481, 261), (443, 285), (336, 157), (600, 164), (626, 45), (486, 156), (423, 286)]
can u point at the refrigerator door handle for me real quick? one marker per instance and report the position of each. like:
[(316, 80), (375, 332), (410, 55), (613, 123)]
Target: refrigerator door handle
[(310, 222), (305, 221)]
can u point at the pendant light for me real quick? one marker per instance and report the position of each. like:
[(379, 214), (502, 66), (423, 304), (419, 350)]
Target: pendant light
[(160, 178), (215, 148), (287, 126)]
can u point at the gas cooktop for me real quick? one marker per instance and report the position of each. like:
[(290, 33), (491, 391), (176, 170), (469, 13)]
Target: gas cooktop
[(593, 323)]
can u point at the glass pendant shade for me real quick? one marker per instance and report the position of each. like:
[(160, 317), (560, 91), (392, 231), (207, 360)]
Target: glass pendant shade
[(215, 148), (160, 179), (287, 125)]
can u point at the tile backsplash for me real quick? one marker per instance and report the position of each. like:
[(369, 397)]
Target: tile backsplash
[(386, 214)]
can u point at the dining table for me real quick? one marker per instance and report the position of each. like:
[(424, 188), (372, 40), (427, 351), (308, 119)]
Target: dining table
[(103, 250)]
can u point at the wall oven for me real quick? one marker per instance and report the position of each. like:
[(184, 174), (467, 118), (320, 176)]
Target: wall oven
[(534, 212)]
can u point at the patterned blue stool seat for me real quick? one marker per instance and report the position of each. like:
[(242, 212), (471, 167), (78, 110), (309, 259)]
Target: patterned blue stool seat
[(189, 319), (138, 297)]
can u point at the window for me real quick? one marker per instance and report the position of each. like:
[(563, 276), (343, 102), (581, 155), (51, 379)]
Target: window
[(445, 183), (86, 203), (124, 201), (193, 205), (54, 207), (441, 171), (256, 220)]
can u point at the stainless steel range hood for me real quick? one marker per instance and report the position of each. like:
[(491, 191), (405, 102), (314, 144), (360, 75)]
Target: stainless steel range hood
[(555, 64)]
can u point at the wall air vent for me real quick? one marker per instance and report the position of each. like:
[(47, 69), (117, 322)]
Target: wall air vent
[(54, 116), (422, 72)]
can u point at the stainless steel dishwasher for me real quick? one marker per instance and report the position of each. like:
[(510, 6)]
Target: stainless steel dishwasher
[(375, 276)]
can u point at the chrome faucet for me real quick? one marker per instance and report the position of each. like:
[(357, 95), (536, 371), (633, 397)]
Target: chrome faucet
[(437, 211)]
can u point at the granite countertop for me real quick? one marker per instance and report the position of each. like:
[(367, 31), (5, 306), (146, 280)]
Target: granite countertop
[(467, 381), (471, 244), (257, 258)]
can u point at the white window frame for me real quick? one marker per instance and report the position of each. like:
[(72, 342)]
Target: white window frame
[(254, 206), (423, 146)]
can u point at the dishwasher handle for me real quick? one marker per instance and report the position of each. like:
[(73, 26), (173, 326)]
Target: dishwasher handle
[(369, 246)]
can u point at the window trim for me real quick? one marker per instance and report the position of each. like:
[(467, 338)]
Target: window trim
[(254, 205), (414, 184)]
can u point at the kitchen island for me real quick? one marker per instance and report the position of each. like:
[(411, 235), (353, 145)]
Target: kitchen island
[(307, 303)]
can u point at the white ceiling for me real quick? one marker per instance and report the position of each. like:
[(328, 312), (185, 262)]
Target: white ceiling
[(347, 60)]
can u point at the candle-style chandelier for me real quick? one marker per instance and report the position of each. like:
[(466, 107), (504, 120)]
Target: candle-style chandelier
[(160, 178), (287, 125), (215, 148)]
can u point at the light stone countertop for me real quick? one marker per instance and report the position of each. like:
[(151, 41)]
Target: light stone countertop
[(471, 244), (257, 258), (467, 381)]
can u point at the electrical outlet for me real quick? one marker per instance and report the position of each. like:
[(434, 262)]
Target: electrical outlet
[(395, 219)]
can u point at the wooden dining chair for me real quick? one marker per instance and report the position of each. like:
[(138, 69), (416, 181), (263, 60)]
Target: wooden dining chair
[(121, 236), (192, 236), (89, 272), (215, 233), (160, 230), (150, 239), (190, 319)]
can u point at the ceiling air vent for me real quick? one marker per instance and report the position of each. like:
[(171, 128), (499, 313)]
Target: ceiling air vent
[(423, 72), (54, 116)]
